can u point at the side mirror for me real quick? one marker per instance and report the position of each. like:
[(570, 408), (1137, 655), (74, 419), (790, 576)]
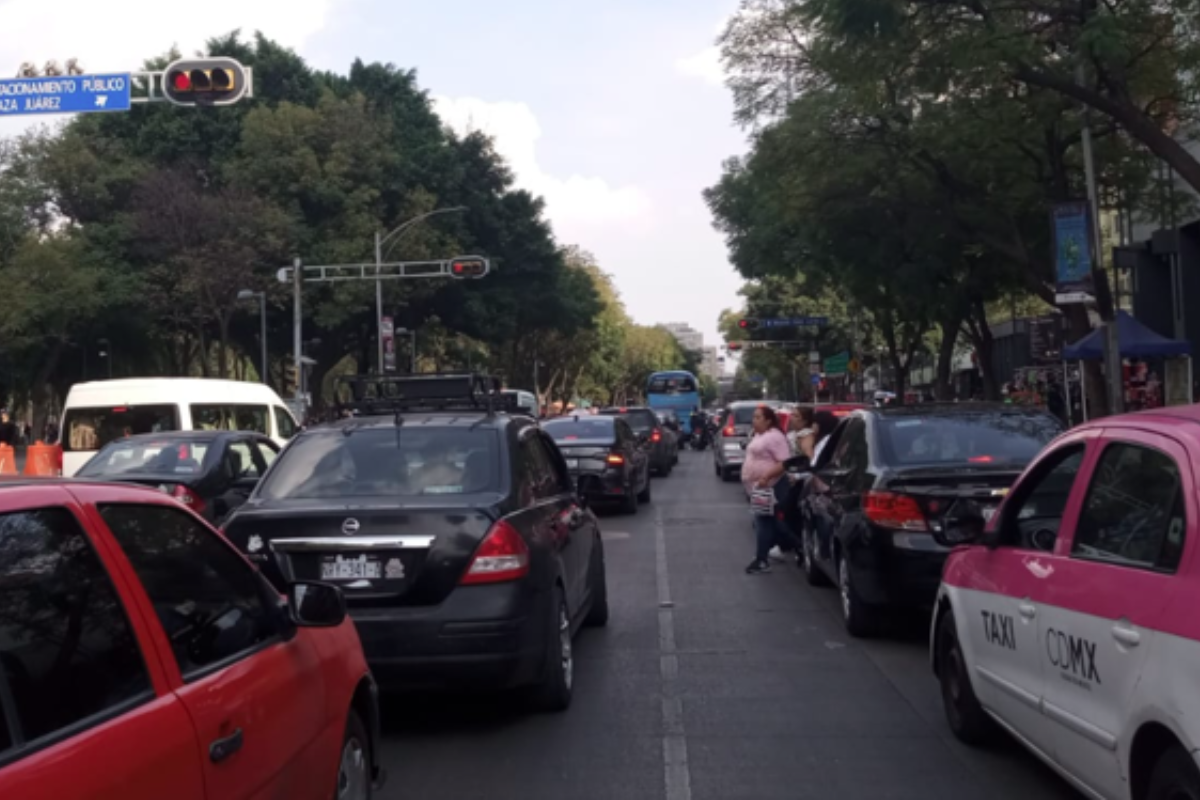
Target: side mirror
[(316, 605), (963, 524)]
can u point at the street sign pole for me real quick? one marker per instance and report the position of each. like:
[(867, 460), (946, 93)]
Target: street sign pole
[(297, 329)]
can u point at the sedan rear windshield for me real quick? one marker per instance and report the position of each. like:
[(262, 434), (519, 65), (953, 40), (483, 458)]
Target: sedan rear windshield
[(385, 462), (593, 429), (641, 420), (154, 456), (743, 415), (986, 438), (87, 429)]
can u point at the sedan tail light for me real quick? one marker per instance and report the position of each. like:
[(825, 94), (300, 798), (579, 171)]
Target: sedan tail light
[(615, 459), (502, 556), (185, 495), (656, 436), (729, 431), (894, 511)]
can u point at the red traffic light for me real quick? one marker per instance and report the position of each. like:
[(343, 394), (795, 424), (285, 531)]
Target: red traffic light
[(469, 267), (748, 324), (733, 346), (206, 81), (181, 81)]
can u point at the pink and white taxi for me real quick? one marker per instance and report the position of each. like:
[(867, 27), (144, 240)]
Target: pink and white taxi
[(1071, 618)]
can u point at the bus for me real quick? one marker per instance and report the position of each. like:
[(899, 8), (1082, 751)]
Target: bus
[(677, 391)]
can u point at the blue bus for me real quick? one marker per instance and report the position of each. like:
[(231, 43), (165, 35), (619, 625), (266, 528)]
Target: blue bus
[(676, 391)]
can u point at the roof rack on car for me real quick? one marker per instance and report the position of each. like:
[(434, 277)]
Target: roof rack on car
[(372, 394)]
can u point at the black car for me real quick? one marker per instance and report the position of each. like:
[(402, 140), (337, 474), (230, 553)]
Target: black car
[(453, 529), (211, 472), (649, 431), (889, 478), (604, 458)]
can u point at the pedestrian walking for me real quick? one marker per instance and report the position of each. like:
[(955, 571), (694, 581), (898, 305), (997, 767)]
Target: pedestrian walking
[(763, 470), (801, 435)]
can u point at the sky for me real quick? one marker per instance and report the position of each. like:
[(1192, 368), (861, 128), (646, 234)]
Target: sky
[(614, 112)]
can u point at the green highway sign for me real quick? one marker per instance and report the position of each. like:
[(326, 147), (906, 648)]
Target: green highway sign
[(837, 365)]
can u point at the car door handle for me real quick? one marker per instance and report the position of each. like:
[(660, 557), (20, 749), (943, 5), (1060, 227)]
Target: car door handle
[(221, 749), (1126, 635), (1028, 610)]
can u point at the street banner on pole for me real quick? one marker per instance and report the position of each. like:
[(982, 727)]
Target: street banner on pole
[(387, 330), (1073, 252)]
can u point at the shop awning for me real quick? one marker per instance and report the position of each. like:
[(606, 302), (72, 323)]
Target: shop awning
[(1136, 341)]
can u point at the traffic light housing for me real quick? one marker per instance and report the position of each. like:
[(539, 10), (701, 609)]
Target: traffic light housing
[(206, 82), (733, 347), (748, 324), (469, 267)]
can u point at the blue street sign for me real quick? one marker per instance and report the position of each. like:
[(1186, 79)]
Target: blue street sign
[(816, 379), (793, 322), (66, 94)]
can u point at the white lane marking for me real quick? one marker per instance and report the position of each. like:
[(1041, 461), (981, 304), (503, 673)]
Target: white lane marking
[(610, 536), (677, 776)]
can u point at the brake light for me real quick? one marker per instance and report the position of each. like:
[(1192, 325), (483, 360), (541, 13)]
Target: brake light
[(729, 431), (502, 556), (896, 511), (656, 435), (185, 496), (616, 459), (980, 459)]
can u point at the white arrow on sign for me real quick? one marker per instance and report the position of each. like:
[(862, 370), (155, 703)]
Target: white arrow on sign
[(101, 100)]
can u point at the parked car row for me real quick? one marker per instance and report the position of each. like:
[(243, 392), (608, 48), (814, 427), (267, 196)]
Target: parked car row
[(1060, 568)]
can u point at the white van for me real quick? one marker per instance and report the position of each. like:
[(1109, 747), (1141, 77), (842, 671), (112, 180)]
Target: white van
[(526, 401), (96, 413)]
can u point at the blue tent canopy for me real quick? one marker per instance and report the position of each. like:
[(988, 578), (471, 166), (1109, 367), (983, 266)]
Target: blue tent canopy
[(1136, 341)]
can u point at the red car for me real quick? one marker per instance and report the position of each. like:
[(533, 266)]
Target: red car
[(143, 658)]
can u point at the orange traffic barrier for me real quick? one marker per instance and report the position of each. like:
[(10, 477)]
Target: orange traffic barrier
[(8, 460), (42, 459)]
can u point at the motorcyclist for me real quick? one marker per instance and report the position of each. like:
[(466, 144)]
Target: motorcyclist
[(699, 429)]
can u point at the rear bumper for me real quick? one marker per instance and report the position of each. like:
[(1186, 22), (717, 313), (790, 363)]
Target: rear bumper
[(888, 575), (600, 487), (485, 637)]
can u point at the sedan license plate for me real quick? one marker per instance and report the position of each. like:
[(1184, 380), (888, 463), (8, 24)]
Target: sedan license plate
[(337, 568), (572, 463)]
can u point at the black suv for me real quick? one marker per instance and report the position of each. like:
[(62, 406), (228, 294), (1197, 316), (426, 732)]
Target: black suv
[(451, 525)]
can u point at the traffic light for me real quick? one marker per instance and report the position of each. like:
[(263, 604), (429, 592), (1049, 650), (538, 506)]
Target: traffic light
[(748, 324), (206, 82), (469, 267), (733, 347)]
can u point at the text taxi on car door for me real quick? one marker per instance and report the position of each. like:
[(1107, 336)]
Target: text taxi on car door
[(1072, 619), (143, 658)]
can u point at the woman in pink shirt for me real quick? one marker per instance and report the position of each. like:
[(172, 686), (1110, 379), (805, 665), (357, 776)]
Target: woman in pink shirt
[(763, 468)]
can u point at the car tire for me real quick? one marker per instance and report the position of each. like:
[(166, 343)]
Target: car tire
[(644, 494), (965, 716), (727, 475), (860, 619), (354, 764), (1174, 777), (597, 616), (813, 573), (554, 691)]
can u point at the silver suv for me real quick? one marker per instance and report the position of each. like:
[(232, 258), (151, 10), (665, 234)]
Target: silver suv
[(729, 447)]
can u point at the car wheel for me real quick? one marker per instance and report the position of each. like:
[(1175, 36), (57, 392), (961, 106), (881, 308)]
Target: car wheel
[(598, 579), (858, 617), (727, 475), (1174, 777), (967, 719), (644, 494), (354, 768), (808, 561), (554, 692)]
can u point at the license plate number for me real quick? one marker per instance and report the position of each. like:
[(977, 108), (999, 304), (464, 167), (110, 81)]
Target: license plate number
[(350, 569), (572, 463)]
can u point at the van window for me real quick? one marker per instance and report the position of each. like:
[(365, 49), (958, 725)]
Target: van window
[(229, 417), (87, 429), (285, 426)]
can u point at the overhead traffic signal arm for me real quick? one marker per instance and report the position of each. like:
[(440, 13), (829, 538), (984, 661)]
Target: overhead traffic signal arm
[(206, 82)]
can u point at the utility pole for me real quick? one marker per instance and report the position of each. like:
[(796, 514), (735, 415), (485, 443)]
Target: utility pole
[(378, 304), (1112, 342), (297, 330)]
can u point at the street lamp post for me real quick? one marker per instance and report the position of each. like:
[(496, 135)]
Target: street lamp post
[(380, 241), (106, 354), (247, 294)]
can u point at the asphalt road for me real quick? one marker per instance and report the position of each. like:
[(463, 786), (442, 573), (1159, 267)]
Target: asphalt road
[(709, 684)]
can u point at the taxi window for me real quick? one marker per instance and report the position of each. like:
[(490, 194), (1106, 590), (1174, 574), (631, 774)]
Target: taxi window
[(1033, 515), (1133, 515)]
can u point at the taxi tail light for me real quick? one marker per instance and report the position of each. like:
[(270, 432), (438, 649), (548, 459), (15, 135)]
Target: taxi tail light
[(502, 556), (656, 436), (615, 459), (894, 511), (184, 495), (729, 431)]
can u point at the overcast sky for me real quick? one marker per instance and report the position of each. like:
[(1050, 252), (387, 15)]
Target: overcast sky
[(613, 111)]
